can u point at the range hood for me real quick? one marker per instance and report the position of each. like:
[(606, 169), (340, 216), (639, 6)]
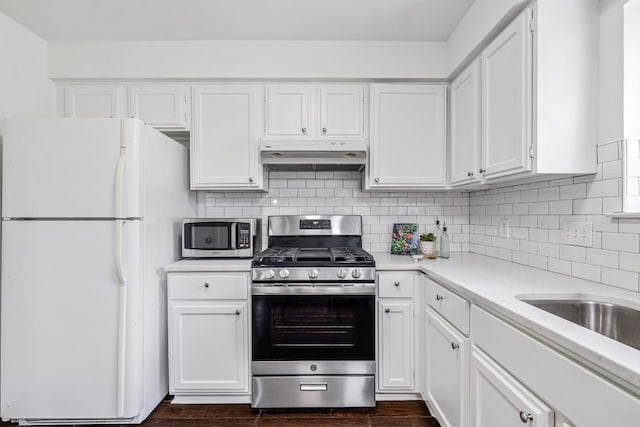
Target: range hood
[(317, 154)]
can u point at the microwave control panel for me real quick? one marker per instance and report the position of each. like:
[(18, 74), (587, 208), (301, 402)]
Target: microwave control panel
[(244, 235)]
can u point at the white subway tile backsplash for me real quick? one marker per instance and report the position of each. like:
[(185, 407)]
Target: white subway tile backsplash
[(602, 257), (586, 271), (620, 278), (574, 191)]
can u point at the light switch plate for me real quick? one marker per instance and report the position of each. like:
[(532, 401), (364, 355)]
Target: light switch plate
[(504, 230), (577, 233)]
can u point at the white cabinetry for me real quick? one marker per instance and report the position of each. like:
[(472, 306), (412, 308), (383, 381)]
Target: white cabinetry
[(408, 137), (164, 107), (538, 108), (447, 356), (465, 123), (499, 400), (93, 101), (314, 111), (208, 336), (225, 138), (396, 332), (506, 100)]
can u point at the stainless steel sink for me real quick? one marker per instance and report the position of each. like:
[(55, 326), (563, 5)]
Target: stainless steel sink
[(611, 320)]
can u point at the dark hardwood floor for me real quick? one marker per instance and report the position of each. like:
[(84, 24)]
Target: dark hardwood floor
[(386, 414)]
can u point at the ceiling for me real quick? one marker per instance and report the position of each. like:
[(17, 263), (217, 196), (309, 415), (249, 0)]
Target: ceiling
[(154, 20)]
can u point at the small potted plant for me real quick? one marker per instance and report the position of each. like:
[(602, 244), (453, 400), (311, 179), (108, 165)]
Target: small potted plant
[(428, 245)]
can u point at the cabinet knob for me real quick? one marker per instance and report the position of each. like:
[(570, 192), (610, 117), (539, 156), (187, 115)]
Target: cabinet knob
[(377, 180), (387, 310), (455, 346), (237, 312), (324, 130), (470, 173), (396, 284), (525, 418), (439, 297), (250, 179), (482, 170), (206, 285), (304, 130)]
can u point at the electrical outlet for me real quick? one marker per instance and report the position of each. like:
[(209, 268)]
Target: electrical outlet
[(504, 230), (577, 233)]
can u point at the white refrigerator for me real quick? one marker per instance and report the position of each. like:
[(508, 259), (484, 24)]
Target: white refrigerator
[(91, 212)]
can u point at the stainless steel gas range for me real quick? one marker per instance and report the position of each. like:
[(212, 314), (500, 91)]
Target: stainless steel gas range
[(313, 306)]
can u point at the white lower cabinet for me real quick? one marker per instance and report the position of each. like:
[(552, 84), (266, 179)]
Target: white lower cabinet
[(447, 371), (208, 335), (396, 362), (499, 400)]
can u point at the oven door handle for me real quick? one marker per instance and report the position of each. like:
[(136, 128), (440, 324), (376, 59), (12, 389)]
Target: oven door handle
[(328, 289)]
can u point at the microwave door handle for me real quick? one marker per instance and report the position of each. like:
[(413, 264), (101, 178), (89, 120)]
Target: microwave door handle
[(234, 232)]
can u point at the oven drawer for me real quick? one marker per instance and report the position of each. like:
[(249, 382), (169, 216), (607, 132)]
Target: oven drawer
[(233, 286), (395, 284), (312, 391)]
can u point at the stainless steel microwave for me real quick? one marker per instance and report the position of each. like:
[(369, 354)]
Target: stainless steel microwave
[(219, 237)]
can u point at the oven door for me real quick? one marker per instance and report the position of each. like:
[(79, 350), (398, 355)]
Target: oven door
[(296, 325)]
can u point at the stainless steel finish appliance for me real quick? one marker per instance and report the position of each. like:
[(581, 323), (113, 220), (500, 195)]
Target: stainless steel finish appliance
[(220, 237), (313, 306)]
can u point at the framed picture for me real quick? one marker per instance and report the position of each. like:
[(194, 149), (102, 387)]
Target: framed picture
[(404, 239)]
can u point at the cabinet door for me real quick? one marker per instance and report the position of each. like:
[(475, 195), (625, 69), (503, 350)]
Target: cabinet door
[(288, 110), (341, 111), (161, 106), (396, 352), (506, 101), (93, 101), (499, 400), (408, 138), (447, 371), (208, 346), (466, 133), (225, 138)]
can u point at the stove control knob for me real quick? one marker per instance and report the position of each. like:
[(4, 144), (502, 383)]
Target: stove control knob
[(269, 274), (356, 273), (284, 273), (313, 273), (342, 273)]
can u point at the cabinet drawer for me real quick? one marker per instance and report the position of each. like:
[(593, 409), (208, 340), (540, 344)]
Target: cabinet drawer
[(395, 284), (449, 305), (208, 286)]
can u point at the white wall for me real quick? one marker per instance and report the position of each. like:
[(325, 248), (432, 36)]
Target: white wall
[(480, 21), (611, 70), (248, 59), (25, 89)]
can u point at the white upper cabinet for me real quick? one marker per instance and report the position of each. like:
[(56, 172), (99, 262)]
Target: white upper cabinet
[(314, 111), (408, 137), (161, 106), (341, 111), (93, 101), (506, 100), (287, 112), (225, 138), (465, 124)]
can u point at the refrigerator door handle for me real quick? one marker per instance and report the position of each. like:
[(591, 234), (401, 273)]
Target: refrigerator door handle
[(122, 280), (120, 169), (122, 320)]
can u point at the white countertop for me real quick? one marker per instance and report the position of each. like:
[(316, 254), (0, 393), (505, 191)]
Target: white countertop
[(494, 285), (211, 265)]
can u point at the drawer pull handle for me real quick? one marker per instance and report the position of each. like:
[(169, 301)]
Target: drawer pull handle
[(387, 310), (439, 297), (313, 386), (525, 418), (206, 285), (396, 284), (455, 346), (237, 312)]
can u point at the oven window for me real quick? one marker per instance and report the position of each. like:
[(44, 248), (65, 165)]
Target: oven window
[(313, 327), (208, 235)]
